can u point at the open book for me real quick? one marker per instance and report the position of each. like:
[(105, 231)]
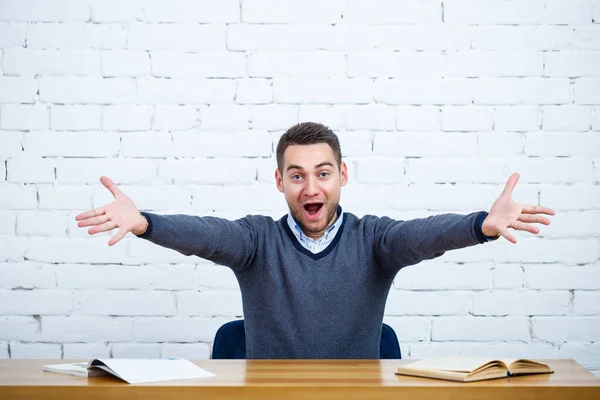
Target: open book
[(134, 370), (470, 369)]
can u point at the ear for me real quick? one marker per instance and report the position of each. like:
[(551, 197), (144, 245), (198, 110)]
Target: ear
[(343, 173), (279, 180)]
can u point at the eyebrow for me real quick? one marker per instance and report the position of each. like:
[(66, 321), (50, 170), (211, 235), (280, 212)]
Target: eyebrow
[(323, 164)]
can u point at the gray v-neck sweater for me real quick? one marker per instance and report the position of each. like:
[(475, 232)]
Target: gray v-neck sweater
[(302, 305)]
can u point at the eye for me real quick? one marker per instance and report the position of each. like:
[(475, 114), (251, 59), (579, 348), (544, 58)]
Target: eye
[(296, 177), (324, 174)]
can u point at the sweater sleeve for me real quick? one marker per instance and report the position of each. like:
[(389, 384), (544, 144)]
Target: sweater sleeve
[(225, 242), (402, 243)]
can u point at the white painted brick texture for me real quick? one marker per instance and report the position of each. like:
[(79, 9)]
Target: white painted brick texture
[(182, 102)]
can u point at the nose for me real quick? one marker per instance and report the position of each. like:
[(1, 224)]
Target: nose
[(311, 187)]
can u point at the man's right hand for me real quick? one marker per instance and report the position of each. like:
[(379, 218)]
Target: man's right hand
[(121, 213)]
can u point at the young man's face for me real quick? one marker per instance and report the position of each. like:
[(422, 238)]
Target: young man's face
[(311, 182)]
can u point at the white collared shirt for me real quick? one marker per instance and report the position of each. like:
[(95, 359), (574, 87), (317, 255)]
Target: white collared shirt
[(315, 246)]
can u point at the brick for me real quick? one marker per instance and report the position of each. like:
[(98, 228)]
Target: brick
[(509, 350), (517, 118), (334, 90), (448, 277), (41, 223), (207, 64), (144, 277), (76, 36), (427, 303), (116, 10), (11, 144), (226, 303), (274, 116), (522, 37), (429, 170), (75, 118), (63, 197), (418, 144), (25, 117), (190, 351), (17, 90), (191, 11), (586, 303), (392, 12), (180, 91), (74, 144), (85, 351), (30, 62), (4, 351), (567, 118), (8, 222), (265, 170), (253, 91), (417, 92), (87, 90), (17, 197), (145, 252), (26, 275), (86, 329), (387, 64), (268, 64), (586, 354), (225, 117), (88, 250), (494, 63), (515, 303), (422, 118), (499, 144), (122, 303), (43, 351), (562, 329), (562, 144), (480, 329), (552, 170), (523, 91), (12, 35), (574, 224), (177, 329), (580, 196), (494, 12), (373, 117), (181, 36), (148, 144), (467, 118), (333, 116), (356, 143), (587, 91), (586, 37), (421, 37), (25, 169), (35, 302), (259, 198), (273, 11), (567, 12), (595, 122), (121, 170), (136, 350), (39, 10), (175, 118), (576, 251), (228, 144), (571, 64), (212, 171), (125, 63), (152, 198), (12, 248), (126, 118), (380, 170), (507, 276), (409, 329), (19, 328)]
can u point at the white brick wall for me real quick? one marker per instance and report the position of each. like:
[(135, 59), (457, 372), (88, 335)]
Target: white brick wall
[(182, 103)]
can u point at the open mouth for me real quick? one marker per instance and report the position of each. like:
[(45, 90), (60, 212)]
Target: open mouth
[(313, 210)]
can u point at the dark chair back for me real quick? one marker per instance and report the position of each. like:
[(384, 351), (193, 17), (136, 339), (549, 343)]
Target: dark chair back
[(230, 342)]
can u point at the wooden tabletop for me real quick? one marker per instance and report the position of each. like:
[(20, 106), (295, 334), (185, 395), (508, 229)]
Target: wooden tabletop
[(296, 379)]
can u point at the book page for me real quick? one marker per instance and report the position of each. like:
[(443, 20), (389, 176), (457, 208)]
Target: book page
[(152, 370), (458, 364)]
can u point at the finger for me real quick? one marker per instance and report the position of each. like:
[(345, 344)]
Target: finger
[(507, 235), (533, 218), (520, 226), (108, 226), (512, 182), (537, 210), (120, 235), (93, 221), (89, 214), (110, 185)]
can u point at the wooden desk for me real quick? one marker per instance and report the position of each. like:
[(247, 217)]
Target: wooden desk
[(296, 379)]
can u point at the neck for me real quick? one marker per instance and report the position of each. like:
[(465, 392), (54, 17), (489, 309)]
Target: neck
[(317, 235)]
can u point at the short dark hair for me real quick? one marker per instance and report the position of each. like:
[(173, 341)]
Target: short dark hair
[(306, 133)]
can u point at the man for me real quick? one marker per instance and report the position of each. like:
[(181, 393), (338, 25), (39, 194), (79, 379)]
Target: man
[(314, 283)]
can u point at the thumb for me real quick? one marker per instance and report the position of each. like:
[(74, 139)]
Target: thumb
[(110, 185)]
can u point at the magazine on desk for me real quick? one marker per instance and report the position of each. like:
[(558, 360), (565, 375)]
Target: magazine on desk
[(134, 370), (471, 369)]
